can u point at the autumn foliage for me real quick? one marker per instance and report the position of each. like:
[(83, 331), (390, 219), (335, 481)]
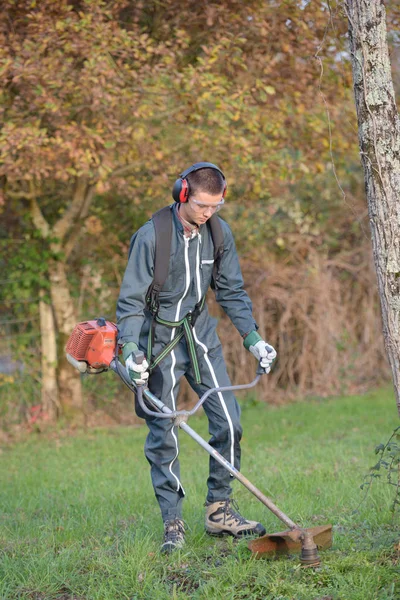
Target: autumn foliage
[(104, 103)]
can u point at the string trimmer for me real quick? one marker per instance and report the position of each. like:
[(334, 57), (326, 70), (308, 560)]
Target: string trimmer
[(93, 348)]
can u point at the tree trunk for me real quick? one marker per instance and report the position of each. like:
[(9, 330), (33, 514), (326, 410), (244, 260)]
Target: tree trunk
[(66, 231), (50, 401), (379, 139), (69, 382)]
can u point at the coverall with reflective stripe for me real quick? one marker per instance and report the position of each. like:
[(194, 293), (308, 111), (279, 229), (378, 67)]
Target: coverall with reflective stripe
[(189, 277)]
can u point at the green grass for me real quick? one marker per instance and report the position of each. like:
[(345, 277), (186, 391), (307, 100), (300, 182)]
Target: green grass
[(79, 519)]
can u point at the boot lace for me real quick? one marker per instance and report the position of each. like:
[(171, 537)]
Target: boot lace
[(174, 530), (231, 511)]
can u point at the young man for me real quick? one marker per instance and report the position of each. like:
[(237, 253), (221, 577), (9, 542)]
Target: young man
[(198, 193)]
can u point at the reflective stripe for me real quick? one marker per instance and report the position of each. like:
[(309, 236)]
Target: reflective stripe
[(178, 309), (179, 485), (220, 396), (198, 270), (187, 267)]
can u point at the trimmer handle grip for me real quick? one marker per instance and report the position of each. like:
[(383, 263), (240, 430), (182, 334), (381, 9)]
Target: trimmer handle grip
[(138, 355), (260, 369)]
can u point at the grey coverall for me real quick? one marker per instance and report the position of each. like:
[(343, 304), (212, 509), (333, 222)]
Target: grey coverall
[(189, 277)]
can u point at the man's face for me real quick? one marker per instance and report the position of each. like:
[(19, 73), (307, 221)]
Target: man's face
[(200, 207)]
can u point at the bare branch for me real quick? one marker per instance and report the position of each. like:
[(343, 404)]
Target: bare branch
[(20, 195), (38, 219), (63, 225), (125, 169), (77, 228), (37, 216)]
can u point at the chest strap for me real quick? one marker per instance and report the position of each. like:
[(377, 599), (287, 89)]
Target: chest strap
[(185, 329)]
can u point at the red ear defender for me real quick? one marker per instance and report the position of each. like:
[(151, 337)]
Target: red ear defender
[(184, 193), (181, 191)]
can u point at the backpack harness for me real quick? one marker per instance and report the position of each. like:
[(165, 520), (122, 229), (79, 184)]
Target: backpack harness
[(162, 221)]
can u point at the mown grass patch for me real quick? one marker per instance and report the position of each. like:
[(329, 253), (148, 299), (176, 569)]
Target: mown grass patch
[(79, 520)]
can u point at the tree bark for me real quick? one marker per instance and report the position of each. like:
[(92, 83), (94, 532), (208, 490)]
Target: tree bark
[(379, 140), (50, 400), (65, 232), (69, 382)]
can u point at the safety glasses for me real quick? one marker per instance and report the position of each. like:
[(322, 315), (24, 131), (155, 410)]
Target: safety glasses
[(203, 207)]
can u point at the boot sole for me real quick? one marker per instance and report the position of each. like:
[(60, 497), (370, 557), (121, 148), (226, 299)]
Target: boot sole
[(170, 548), (219, 533), (225, 532)]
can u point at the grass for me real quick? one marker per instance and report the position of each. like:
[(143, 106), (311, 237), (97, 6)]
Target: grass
[(79, 519)]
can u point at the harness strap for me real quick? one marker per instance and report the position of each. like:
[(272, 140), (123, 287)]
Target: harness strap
[(188, 331), (185, 326)]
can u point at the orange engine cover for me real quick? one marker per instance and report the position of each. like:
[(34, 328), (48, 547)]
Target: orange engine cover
[(93, 342)]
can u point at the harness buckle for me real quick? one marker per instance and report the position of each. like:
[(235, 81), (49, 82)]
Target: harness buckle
[(153, 303)]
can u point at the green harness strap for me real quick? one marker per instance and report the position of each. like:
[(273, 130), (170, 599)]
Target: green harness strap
[(185, 327)]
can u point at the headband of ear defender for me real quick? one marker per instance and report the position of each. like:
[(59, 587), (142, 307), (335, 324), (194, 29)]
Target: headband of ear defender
[(181, 190)]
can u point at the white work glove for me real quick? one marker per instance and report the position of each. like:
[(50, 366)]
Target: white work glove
[(138, 373), (264, 352)]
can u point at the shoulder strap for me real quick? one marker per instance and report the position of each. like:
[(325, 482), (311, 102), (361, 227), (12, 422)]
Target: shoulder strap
[(162, 220), (218, 240)]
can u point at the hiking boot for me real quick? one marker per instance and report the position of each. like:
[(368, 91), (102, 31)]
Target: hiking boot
[(224, 518), (174, 535)]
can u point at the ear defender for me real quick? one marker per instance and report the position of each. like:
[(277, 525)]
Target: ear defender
[(224, 190), (181, 189)]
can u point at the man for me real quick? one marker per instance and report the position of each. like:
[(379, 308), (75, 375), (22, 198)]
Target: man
[(198, 193)]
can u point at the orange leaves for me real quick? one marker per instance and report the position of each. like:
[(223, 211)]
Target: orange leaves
[(95, 88)]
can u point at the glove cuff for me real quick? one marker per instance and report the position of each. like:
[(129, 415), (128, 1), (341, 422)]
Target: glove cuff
[(128, 348), (251, 339)]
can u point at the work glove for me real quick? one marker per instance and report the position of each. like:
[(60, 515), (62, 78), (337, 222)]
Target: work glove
[(263, 352), (139, 374)]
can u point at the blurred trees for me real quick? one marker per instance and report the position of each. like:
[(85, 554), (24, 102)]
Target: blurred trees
[(104, 103)]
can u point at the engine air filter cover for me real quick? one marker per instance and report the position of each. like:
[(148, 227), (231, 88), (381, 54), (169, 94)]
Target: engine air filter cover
[(93, 342)]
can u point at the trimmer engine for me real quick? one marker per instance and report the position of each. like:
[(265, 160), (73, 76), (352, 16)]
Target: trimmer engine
[(91, 346)]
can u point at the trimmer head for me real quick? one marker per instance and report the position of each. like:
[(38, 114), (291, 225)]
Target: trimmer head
[(306, 541)]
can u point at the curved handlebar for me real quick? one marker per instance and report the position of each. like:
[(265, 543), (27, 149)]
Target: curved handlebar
[(167, 413), (163, 411)]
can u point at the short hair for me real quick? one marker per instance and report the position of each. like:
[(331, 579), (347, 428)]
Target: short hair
[(206, 180)]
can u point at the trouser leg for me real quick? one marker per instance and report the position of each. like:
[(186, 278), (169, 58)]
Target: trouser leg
[(161, 447), (223, 412)]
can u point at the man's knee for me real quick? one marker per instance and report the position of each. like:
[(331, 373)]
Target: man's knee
[(227, 429), (161, 445)]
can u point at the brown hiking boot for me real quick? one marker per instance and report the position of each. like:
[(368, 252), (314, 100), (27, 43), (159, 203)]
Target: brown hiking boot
[(224, 518), (174, 535)]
